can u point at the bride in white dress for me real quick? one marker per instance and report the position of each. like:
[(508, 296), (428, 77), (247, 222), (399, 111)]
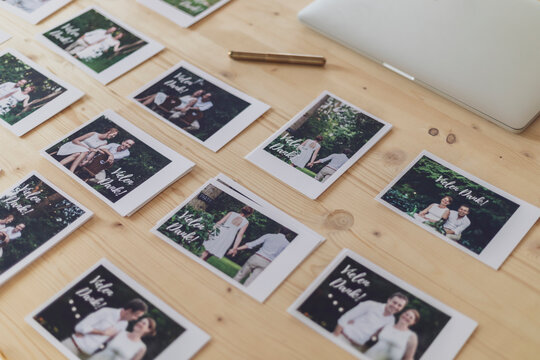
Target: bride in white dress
[(77, 149), (8, 102), (435, 212), (128, 345), (230, 228), (96, 50), (396, 342), (309, 150)]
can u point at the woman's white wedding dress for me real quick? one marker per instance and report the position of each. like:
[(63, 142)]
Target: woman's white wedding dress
[(93, 142), (119, 348), (220, 241), (306, 150), (391, 345)]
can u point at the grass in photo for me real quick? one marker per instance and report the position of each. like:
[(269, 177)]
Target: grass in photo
[(450, 204), (362, 309), (95, 40), (23, 90), (324, 138), (102, 318), (30, 215), (231, 236), (108, 158), (192, 103)]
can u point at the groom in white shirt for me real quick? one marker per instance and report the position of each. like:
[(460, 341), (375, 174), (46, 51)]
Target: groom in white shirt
[(336, 161), (357, 325), (457, 223), (95, 330)]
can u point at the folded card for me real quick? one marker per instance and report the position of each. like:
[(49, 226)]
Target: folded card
[(375, 315), (319, 144), (457, 207), (122, 165), (238, 236)]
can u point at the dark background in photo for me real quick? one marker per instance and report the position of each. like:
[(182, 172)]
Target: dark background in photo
[(12, 70), (192, 7), (417, 189), (92, 20), (226, 106), (340, 125), (320, 308), (143, 161), (212, 204), (59, 319), (51, 215)]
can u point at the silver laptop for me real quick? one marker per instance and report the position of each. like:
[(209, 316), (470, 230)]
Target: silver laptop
[(482, 54)]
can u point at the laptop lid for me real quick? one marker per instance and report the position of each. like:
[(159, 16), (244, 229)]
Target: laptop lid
[(481, 54)]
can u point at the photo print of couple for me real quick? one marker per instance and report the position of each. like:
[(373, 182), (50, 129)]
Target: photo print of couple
[(105, 315), (457, 207), (375, 315), (319, 144), (238, 236)]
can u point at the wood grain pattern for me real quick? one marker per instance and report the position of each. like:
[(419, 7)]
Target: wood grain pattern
[(504, 302)]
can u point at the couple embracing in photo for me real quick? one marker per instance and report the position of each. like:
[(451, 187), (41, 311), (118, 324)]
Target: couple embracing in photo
[(103, 335), (371, 328)]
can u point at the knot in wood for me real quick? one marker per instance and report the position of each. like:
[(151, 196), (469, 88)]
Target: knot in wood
[(433, 131), (340, 219), (451, 138), (394, 157)]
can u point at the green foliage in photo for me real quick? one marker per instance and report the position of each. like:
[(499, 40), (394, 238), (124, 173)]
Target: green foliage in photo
[(192, 7)]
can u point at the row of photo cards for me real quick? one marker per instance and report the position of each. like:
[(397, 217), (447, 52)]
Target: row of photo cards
[(238, 236), (121, 164), (104, 314)]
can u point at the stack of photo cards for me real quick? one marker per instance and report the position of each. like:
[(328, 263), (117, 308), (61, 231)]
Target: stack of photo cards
[(201, 106), (32, 11), (4, 36), (466, 212), (34, 216), (319, 144), (29, 94), (105, 315), (375, 315), (121, 164), (238, 236), (100, 45), (184, 12)]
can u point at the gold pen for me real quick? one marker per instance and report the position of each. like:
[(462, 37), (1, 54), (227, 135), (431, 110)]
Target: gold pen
[(279, 58)]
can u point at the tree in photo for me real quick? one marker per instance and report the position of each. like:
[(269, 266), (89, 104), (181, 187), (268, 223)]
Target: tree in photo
[(95, 40), (424, 184), (328, 130), (23, 90), (44, 214)]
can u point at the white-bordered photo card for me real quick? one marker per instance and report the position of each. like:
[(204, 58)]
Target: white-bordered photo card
[(375, 315), (34, 216), (104, 314), (4, 36), (100, 45), (121, 164), (184, 12), (29, 94), (459, 208), (319, 144), (199, 105), (238, 236), (33, 11)]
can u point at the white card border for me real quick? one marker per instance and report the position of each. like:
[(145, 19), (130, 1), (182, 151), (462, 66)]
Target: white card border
[(38, 14), (297, 179), (228, 132), (187, 344), (176, 15), (446, 345), (21, 264), (70, 96), (114, 71), (143, 193), (508, 237), (294, 254)]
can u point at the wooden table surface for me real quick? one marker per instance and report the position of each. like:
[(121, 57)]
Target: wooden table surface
[(504, 302)]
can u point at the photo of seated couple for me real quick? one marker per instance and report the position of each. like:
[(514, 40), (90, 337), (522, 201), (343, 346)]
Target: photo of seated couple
[(103, 318), (324, 138), (23, 90), (228, 235), (191, 103), (449, 204)]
